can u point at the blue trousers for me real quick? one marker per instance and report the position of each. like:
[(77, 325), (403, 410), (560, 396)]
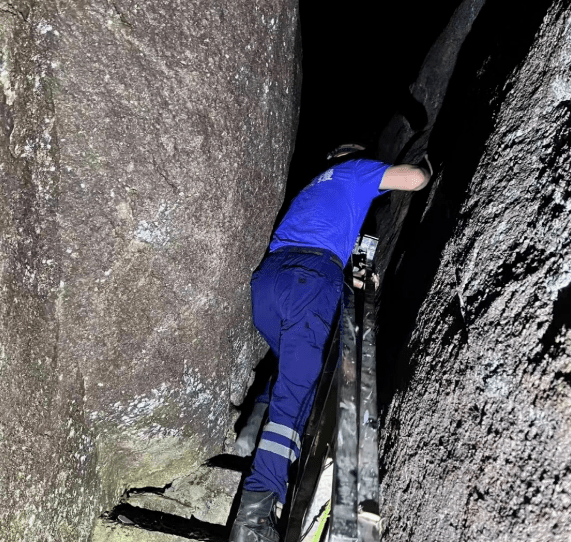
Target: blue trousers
[(294, 300)]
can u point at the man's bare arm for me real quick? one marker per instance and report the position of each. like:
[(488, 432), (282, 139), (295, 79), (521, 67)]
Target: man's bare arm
[(406, 177)]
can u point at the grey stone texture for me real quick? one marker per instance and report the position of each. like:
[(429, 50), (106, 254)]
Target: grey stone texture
[(206, 494), (476, 318), (144, 149), (112, 532)]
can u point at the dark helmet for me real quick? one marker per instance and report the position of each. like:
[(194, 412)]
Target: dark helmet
[(345, 149)]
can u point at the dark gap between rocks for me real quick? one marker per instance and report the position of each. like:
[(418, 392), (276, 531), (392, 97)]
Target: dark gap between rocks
[(193, 528), (138, 490), (151, 520)]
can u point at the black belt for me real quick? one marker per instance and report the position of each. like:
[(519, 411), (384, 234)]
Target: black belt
[(309, 250)]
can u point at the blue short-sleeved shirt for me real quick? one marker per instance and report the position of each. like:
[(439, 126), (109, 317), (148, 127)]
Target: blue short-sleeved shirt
[(330, 211)]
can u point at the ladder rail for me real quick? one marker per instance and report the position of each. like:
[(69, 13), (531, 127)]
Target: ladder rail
[(345, 418), (343, 526)]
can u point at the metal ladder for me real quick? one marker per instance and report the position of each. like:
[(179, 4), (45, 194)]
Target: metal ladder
[(344, 419)]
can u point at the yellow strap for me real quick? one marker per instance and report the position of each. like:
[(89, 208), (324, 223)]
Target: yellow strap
[(322, 522)]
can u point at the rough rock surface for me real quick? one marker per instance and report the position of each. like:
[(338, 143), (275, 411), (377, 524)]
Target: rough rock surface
[(137, 141), (207, 494), (476, 325), (110, 532)]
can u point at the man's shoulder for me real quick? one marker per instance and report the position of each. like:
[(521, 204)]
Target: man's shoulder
[(353, 170), (360, 168)]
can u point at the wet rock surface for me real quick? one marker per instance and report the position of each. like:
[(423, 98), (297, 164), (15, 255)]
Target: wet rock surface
[(475, 324), (137, 140)]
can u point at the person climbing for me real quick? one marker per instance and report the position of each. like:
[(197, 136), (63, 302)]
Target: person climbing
[(295, 294)]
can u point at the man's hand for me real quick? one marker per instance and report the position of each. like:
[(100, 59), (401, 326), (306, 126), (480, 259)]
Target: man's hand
[(430, 170), (359, 278), (376, 280)]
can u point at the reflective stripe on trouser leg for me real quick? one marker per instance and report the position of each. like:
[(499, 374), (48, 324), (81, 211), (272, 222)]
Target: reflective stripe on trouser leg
[(279, 447), (284, 431)]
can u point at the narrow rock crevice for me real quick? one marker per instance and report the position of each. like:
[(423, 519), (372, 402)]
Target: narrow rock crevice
[(201, 505)]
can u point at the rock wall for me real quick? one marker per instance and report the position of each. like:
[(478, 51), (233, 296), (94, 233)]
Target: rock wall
[(476, 315), (144, 149)]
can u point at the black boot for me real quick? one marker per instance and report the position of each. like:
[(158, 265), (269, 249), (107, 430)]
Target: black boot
[(256, 520)]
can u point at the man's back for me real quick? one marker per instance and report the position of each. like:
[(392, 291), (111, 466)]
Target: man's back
[(329, 212)]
